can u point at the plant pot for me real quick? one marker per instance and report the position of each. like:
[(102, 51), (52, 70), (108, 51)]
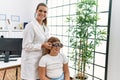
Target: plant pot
[(80, 76), (71, 78)]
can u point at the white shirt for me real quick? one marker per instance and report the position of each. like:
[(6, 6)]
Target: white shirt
[(34, 36), (53, 64)]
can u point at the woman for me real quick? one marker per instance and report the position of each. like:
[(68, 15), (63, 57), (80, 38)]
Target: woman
[(54, 65), (34, 39)]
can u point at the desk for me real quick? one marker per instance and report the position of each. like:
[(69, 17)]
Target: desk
[(10, 69)]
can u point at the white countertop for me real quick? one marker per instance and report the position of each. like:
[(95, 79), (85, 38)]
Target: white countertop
[(9, 64)]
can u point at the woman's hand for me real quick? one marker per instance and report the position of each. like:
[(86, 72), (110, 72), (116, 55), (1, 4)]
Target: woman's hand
[(47, 45)]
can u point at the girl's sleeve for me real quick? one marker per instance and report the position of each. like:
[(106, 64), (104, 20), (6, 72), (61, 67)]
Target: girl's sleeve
[(65, 59), (42, 62)]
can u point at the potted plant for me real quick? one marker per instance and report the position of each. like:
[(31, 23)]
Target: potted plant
[(86, 35)]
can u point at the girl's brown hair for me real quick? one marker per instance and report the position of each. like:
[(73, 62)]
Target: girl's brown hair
[(42, 4), (51, 40)]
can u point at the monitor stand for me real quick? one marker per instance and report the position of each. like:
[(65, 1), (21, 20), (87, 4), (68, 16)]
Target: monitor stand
[(6, 57)]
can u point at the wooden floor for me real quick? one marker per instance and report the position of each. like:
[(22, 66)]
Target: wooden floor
[(10, 74)]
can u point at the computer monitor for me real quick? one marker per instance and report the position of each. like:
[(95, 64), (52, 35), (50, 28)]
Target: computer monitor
[(10, 47)]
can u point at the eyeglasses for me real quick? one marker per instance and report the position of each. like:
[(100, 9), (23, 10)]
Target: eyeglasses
[(57, 44), (42, 11)]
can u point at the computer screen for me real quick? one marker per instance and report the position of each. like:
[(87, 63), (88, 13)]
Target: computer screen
[(10, 46)]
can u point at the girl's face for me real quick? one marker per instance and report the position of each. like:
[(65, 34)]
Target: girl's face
[(41, 13), (56, 46)]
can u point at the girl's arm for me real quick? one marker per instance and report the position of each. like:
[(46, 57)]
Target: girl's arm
[(42, 73), (66, 71)]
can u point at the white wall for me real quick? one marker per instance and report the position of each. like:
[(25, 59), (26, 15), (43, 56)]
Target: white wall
[(114, 49), (21, 8), (24, 8)]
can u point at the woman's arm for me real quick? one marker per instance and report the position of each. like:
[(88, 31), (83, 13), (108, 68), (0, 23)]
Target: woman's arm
[(42, 73), (66, 71)]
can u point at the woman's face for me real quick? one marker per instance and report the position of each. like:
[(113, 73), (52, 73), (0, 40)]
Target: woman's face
[(41, 13)]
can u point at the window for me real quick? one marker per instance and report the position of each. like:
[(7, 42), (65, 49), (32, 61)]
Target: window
[(58, 11)]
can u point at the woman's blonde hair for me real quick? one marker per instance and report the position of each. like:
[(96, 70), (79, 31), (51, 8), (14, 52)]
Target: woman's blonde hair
[(42, 4)]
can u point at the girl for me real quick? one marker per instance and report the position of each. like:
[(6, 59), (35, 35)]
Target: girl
[(54, 65)]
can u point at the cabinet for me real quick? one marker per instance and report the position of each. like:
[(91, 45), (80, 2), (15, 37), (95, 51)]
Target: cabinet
[(11, 73), (10, 70)]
